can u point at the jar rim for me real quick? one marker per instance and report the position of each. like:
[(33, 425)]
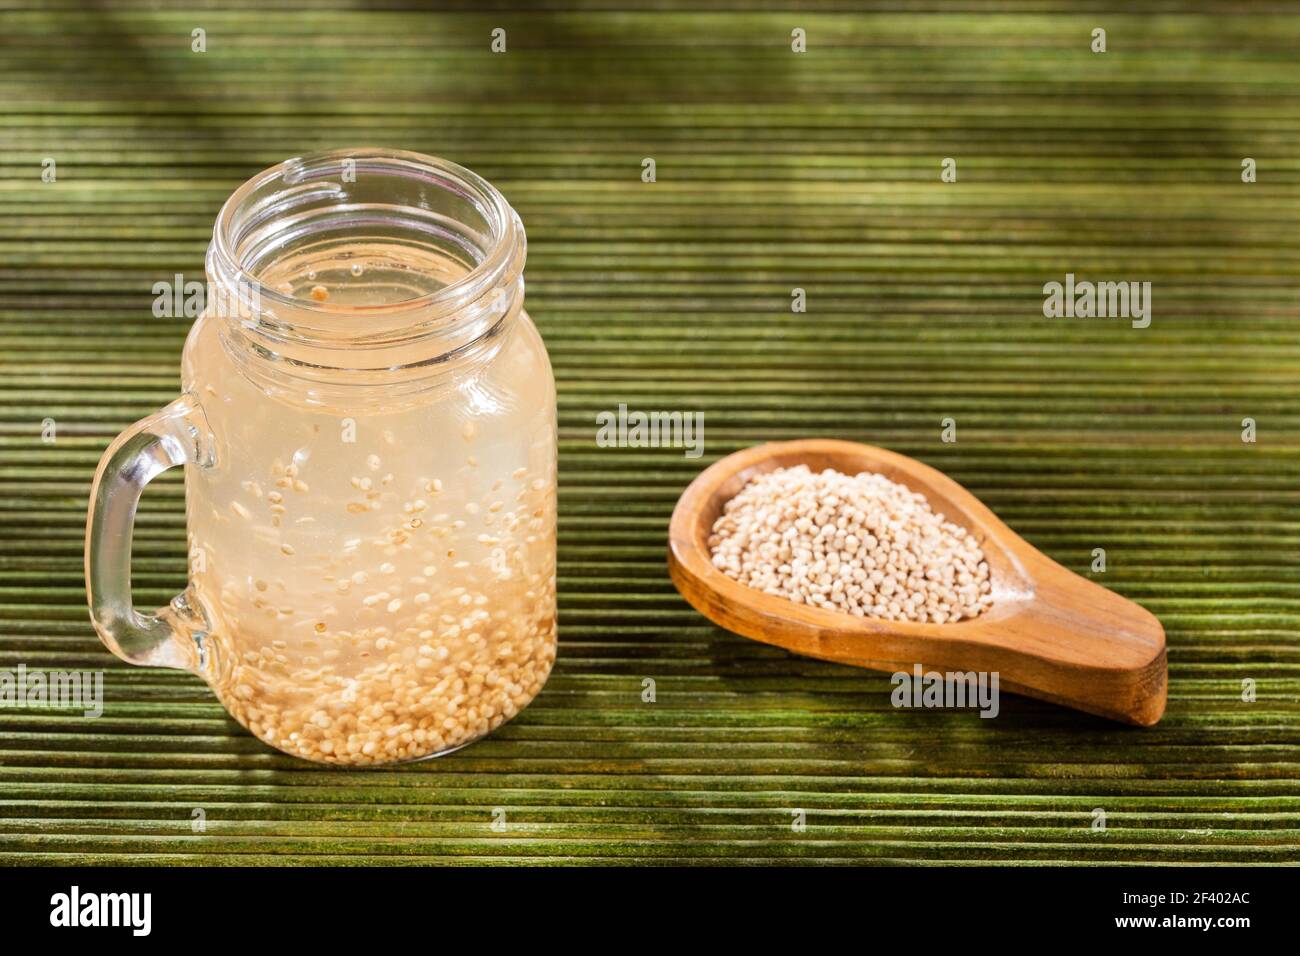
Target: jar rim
[(503, 253), (289, 342)]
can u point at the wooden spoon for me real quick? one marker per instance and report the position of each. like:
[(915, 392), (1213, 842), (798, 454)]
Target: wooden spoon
[(1050, 633)]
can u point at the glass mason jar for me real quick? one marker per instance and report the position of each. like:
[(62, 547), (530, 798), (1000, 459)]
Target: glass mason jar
[(368, 434)]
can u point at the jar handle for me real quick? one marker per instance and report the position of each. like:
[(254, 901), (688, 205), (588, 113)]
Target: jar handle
[(177, 435)]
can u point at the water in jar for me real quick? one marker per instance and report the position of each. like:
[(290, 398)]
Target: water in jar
[(379, 582)]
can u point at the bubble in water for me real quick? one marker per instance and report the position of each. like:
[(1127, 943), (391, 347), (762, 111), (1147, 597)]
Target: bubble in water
[(311, 275), (356, 268)]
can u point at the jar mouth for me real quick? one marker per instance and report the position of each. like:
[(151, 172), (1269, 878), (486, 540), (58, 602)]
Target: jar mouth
[(458, 238), (358, 270)]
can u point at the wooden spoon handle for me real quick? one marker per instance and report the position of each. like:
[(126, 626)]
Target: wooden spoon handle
[(1072, 642), (1078, 644)]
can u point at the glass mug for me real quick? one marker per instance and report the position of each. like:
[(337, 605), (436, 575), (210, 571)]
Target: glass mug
[(368, 432)]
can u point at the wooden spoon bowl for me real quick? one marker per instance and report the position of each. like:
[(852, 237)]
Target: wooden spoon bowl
[(1050, 633)]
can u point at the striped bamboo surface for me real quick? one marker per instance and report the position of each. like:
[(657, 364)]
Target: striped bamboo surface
[(775, 170)]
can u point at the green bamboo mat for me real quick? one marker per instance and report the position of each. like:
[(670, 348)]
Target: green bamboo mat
[(775, 170)]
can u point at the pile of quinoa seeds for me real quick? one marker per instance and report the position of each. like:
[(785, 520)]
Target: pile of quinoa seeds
[(860, 544)]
